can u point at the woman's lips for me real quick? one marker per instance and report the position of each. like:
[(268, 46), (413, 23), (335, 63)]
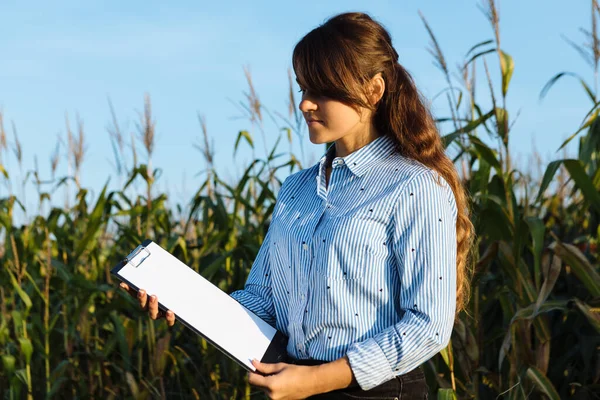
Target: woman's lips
[(314, 122)]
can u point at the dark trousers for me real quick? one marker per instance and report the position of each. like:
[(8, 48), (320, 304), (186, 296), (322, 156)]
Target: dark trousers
[(409, 386)]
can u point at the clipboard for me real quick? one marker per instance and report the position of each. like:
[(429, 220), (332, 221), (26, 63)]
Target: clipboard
[(201, 306)]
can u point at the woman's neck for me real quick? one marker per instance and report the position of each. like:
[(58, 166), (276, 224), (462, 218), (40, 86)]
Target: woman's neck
[(353, 141)]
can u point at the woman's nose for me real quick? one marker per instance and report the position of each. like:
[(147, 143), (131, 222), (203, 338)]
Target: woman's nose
[(306, 105)]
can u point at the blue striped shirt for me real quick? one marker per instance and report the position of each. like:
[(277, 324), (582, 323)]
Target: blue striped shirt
[(364, 266)]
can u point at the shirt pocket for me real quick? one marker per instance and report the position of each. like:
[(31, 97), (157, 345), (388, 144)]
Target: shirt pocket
[(347, 263)]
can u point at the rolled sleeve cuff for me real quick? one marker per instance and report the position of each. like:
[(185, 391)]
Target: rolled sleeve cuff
[(369, 364)]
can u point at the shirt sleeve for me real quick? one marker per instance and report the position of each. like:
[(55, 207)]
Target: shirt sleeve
[(425, 250), (257, 295)]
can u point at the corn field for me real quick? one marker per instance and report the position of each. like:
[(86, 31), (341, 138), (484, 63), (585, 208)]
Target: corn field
[(532, 329)]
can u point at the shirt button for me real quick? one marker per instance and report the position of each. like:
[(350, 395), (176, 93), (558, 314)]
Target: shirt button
[(305, 246)]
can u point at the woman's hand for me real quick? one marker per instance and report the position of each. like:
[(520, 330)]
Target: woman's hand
[(288, 381), (284, 381), (149, 304)]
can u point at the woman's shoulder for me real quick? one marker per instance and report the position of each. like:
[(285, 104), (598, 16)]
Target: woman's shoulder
[(424, 182), (421, 181), (410, 171)]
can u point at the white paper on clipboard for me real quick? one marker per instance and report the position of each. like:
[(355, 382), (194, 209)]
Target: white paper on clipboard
[(199, 304)]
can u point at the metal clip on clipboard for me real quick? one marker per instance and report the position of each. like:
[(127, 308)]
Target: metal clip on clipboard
[(137, 256)]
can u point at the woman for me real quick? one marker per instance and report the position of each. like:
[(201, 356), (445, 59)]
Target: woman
[(364, 265)]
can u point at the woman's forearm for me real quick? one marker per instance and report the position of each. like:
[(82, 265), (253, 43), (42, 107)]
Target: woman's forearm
[(333, 375)]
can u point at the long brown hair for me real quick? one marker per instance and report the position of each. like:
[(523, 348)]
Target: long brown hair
[(337, 60)]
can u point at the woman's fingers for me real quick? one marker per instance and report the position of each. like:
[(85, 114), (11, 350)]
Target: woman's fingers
[(153, 307), (170, 318), (139, 294), (151, 304), (125, 287), (143, 299)]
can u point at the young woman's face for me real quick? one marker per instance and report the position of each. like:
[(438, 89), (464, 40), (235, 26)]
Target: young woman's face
[(329, 120)]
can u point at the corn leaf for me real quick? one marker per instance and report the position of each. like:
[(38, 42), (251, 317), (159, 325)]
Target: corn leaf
[(446, 394), (542, 383), (580, 265)]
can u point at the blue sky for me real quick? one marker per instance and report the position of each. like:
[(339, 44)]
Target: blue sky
[(70, 56)]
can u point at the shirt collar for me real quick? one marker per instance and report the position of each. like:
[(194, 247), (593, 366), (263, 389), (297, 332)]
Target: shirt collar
[(361, 160)]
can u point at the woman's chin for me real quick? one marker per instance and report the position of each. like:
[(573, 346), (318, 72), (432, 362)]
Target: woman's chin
[(318, 139)]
